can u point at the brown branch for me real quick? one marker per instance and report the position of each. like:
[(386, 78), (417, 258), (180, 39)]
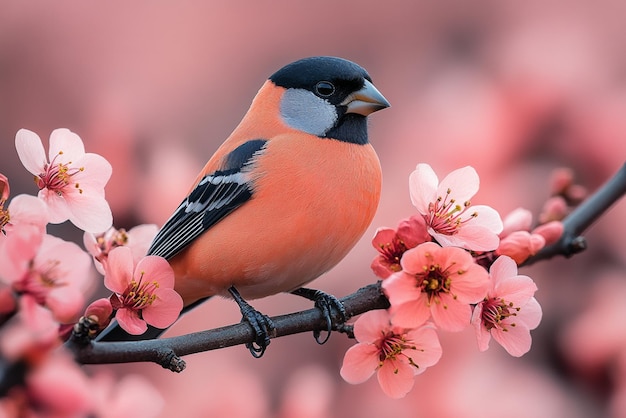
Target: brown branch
[(572, 242), (167, 351)]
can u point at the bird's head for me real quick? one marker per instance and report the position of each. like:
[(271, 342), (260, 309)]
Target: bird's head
[(328, 97)]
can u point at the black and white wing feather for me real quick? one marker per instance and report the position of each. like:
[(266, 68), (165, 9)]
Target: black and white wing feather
[(216, 195)]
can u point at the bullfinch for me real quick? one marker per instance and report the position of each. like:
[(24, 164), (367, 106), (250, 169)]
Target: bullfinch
[(284, 198)]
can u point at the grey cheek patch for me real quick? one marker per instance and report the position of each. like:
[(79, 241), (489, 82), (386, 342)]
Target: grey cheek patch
[(302, 110)]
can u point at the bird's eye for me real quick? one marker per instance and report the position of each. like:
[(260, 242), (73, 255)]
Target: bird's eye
[(324, 88)]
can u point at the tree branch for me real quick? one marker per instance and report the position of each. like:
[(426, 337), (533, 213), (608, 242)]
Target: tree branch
[(582, 217), (167, 351)]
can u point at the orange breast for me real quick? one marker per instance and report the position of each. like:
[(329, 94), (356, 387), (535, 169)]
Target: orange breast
[(313, 201)]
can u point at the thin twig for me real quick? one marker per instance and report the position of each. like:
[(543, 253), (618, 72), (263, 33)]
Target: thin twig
[(572, 242), (167, 351)]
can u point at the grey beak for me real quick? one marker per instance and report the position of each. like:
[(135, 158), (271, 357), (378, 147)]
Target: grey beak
[(366, 100)]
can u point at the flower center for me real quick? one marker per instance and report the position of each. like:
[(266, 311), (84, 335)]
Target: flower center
[(4, 216), (392, 253), (496, 311), (391, 346), (57, 176), (139, 294), (111, 239), (38, 282), (446, 216), (434, 280)]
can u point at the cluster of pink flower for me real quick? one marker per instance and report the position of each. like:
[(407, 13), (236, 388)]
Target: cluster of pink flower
[(451, 266), (44, 281)]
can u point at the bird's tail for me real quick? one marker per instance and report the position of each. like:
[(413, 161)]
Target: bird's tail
[(114, 332)]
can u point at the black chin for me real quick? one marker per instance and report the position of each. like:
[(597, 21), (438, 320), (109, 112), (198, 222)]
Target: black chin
[(351, 128)]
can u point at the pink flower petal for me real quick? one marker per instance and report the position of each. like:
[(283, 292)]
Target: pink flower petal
[(91, 213), (155, 269), (30, 150), (413, 231), (359, 363), (65, 303), (410, 314), (428, 350), (381, 267), (383, 236), (396, 378), (97, 172), (28, 209), (414, 260), (60, 388), (66, 146), (471, 237), (450, 314), (367, 329), (531, 313), (139, 239), (516, 340), (488, 218), (471, 286), (519, 219), (58, 211), (517, 289), (463, 183), (550, 231), (502, 268), (400, 288), (119, 269), (483, 336), (164, 311), (72, 264), (423, 184), (130, 322), (5, 189), (100, 310)]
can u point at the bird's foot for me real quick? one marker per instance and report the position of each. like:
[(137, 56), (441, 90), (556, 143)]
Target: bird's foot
[(261, 324), (326, 303)]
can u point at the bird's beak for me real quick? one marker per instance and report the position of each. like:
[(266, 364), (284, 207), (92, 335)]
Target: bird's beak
[(366, 100)]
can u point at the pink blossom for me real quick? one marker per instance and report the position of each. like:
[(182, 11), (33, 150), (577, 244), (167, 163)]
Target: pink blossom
[(71, 182), (550, 231), (450, 217), (391, 244), (59, 388), (31, 334), (22, 234), (554, 209), (4, 189), (56, 275), (509, 311), (562, 184), (396, 354), (138, 239), (518, 243), (519, 219), (99, 312), (22, 223), (436, 281), (144, 293)]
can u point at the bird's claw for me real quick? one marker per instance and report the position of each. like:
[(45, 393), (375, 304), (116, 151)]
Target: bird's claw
[(261, 324), (326, 303)]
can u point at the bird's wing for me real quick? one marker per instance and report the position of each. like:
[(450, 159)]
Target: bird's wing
[(215, 196)]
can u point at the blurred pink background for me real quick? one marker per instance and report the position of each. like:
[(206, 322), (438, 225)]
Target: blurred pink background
[(513, 89)]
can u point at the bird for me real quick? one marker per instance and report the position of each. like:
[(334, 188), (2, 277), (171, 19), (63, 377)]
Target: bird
[(284, 198)]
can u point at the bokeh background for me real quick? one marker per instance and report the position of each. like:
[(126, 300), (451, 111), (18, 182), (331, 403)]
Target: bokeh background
[(515, 89)]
